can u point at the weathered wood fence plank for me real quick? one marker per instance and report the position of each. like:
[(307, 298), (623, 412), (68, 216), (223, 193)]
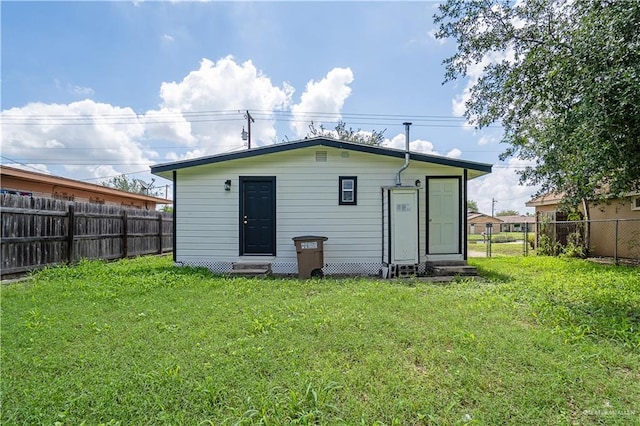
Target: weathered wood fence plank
[(38, 232)]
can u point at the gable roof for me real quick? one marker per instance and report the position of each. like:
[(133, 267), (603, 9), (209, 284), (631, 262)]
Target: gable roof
[(477, 215), (548, 199), (555, 198), (164, 169), (518, 219), (31, 176)]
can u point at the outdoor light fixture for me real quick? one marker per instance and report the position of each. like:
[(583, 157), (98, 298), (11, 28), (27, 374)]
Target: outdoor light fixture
[(227, 185), (418, 183), (244, 134)]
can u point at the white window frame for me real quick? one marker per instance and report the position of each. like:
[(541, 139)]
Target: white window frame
[(342, 191)]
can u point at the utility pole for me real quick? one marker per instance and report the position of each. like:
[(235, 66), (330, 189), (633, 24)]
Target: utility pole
[(493, 203), (246, 135)]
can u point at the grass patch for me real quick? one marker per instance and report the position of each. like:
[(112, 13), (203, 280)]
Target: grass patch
[(544, 341), (510, 236), (502, 249)]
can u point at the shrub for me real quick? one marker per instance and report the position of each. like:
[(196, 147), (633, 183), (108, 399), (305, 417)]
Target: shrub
[(575, 247), (503, 239), (548, 246)]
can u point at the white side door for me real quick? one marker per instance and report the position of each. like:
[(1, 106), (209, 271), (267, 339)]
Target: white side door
[(444, 215), (404, 226)]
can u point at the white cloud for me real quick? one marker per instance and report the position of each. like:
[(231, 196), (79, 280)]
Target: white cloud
[(418, 145), (454, 153), (225, 89), (73, 88), (167, 38), (432, 35), (74, 137), (82, 91), (502, 185), (486, 139), (327, 96), (201, 114), (169, 124), (474, 73)]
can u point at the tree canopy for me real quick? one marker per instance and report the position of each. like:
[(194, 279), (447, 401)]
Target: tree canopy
[(472, 206), (563, 80), (124, 183), (508, 213), (350, 135)]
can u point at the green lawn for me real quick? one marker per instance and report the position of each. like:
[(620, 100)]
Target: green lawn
[(541, 341), (498, 235), (501, 249)]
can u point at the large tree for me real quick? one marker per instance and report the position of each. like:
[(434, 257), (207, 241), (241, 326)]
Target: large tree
[(563, 80)]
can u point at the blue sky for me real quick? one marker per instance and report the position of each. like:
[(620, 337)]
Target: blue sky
[(95, 89)]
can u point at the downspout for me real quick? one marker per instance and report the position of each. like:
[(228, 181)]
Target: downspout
[(406, 153)]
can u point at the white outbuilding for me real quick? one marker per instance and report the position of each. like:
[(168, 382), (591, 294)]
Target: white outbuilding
[(379, 208)]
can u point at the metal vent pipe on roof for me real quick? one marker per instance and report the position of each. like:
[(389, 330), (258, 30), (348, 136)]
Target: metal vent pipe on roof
[(406, 153)]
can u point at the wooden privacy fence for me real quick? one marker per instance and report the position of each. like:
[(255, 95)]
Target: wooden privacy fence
[(37, 232)]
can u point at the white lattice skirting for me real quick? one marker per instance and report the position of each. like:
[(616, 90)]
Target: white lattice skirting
[(291, 268)]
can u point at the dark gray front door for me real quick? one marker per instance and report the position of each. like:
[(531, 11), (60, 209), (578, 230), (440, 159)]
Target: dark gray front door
[(258, 215)]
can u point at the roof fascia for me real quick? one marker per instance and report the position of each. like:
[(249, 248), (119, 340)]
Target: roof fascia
[(306, 143)]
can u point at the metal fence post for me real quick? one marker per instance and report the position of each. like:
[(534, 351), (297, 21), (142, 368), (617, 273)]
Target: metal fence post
[(489, 227)]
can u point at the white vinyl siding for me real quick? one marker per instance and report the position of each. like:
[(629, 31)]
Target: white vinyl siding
[(208, 217)]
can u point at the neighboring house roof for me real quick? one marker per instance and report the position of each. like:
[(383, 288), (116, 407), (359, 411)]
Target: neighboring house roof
[(518, 219), (20, 175), (477, 216), (554, 198), (546, 200), (477, 169)]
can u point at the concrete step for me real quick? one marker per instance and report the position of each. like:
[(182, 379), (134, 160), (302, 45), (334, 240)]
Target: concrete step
[(251, 269), (461, 270), (437, 263)]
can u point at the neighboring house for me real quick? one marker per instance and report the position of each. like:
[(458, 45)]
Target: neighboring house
[(477, 223), (248, 205), (517, 223), (28, 183), (614, 225)]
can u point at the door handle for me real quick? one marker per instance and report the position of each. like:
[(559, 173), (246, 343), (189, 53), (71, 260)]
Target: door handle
[(245, 220)]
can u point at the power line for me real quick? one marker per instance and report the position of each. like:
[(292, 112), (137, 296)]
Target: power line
[(22, 164), (173, 117)]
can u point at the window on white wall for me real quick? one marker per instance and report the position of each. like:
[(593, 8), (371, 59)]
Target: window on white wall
[(635, 203), (348, 190)]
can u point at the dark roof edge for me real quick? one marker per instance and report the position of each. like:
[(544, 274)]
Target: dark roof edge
[(319, 141)]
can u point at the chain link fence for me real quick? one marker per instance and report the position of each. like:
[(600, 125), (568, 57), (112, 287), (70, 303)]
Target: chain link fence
[(617, 240)]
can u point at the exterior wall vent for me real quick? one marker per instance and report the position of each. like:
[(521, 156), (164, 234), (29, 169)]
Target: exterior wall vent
[(344, 154), (321, 156)]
